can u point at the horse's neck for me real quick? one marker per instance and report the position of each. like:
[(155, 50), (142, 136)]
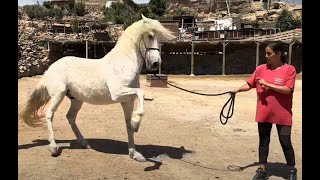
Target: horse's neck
[(127, 48)]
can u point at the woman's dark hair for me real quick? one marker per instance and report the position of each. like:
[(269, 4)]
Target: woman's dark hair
[(279, 47)]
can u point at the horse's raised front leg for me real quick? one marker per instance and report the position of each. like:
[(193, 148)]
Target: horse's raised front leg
[(71, 116), (122, 95), (127, 109), (138, 113)]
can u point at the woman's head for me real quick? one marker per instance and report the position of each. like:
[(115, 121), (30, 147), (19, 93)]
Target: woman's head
[(275, 52)]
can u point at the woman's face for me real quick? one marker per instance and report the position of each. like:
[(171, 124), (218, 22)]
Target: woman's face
[(271, 56)]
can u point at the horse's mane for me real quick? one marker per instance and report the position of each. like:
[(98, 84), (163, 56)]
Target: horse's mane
[(135, 31)]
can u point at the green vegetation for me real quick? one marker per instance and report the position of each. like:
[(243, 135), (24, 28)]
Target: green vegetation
[(286, 21), (128, 12), (47, 10)]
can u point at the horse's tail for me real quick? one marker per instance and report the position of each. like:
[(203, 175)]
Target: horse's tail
[(38, 98)]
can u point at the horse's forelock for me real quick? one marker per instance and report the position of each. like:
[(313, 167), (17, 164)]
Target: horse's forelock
[(163, 32), (145, 26)]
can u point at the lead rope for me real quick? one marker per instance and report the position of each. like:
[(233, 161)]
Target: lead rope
[(231, 100)]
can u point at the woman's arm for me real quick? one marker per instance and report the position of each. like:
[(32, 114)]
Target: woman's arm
[(243, 88), (280, 89)]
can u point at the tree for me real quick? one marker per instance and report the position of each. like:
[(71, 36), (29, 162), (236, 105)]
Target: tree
[(286, 21), (47, 4), (70, 5), (36, 11), (128, 12), (80, 9), (57, 13), (121, 13), (158, 7)]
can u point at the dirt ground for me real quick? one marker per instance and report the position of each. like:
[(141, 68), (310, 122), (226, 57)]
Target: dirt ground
[(180, 130)]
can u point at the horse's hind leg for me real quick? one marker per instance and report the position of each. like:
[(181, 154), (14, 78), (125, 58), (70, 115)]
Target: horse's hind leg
[(127, 109), (55, 102), (71, 116)]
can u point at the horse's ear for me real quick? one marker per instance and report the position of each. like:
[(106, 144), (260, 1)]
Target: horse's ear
[(144, 18)]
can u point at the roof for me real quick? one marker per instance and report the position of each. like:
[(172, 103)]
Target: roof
[(183, 17), (169, 21)]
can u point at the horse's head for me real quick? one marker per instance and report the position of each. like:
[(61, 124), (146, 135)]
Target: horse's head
[(149, 48), (149, 43)]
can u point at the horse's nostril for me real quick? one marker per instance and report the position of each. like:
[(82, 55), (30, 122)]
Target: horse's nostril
[(155, 64)]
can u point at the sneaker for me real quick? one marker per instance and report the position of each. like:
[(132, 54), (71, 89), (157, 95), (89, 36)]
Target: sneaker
[(261, 175), (292, 174)]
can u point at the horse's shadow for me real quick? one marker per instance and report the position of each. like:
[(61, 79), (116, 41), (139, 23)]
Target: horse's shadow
[(153, 153), (273, 169)]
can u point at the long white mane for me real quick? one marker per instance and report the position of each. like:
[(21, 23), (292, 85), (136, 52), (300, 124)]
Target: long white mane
[(133, 33)]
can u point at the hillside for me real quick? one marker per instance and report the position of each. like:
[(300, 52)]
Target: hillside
[(240, 10)]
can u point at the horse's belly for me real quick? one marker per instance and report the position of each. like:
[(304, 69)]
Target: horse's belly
[(98, 96), (98, 100)]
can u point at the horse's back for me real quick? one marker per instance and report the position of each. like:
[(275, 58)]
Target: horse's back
[(84, 79), (71, 65)]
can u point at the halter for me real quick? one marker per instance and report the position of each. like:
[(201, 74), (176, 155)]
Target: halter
[(146, 50)]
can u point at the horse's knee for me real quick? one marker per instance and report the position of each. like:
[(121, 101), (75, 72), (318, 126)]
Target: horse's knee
[(135, 121), (70, 117), (49, 115), (135, 126)]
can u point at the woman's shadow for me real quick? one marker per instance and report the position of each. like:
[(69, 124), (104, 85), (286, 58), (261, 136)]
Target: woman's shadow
[(153, 153), (273, 169)]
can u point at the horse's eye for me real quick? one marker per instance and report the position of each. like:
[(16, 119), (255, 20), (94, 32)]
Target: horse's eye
[(150, 36)]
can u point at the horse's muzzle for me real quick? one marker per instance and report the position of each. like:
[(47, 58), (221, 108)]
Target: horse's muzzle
[(155, 66)]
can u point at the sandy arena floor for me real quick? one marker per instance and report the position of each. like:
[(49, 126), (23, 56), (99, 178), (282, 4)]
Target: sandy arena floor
[(180, 129)]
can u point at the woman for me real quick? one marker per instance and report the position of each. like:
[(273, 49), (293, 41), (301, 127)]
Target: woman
[(274, 83)]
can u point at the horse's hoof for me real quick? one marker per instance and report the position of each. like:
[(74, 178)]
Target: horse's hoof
[(54, 151), (138, 157)]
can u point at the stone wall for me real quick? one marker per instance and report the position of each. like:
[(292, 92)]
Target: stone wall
[(32, 59)]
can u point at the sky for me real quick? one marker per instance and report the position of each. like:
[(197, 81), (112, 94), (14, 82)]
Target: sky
[(25, 2)]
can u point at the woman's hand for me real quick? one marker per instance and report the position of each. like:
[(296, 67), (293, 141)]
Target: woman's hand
[(263, 83), (234, 91)]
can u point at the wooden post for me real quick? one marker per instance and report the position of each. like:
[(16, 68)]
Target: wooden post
[(160, 57), (290, 52), (181, 32), (224, 58), (257, 53), (87, 48), (81, 27), (95, 49), (192, 58), (47, 26)]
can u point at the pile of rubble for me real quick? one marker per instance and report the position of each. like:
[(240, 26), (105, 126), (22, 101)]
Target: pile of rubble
[(32, 59)]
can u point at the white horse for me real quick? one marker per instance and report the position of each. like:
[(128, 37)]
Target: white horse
[(111, 79)]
